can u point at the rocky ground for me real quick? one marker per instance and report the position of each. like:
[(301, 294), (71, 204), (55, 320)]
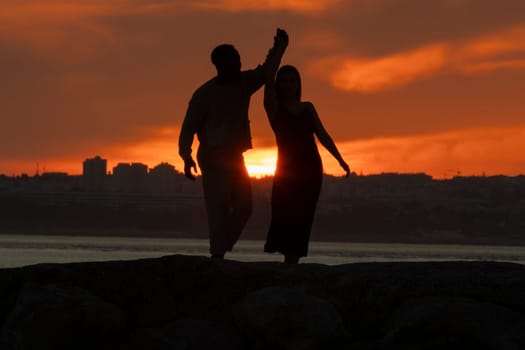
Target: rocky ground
[(189, 302)]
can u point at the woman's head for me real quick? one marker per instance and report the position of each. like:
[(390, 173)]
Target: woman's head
[(288, 83)]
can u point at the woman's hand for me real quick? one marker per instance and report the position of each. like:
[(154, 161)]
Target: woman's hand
[(345, 167)]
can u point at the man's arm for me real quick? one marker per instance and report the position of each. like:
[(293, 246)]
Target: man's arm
[(192, 123)]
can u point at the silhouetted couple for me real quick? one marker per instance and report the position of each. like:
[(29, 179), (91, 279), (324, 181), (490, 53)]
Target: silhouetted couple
[(218, 114)]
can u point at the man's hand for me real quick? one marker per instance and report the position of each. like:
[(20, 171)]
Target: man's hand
[(188, 165)]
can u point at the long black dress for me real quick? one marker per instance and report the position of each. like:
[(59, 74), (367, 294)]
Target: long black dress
[(296, 184)]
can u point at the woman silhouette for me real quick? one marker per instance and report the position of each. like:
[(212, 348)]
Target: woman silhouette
[(299, 173)]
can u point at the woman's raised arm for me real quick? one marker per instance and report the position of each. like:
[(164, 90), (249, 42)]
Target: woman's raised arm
[(277, 52)]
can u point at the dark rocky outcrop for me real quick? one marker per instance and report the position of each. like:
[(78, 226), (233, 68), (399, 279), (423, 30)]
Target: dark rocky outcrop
[(51, 317), (287, 318), (189, 302)]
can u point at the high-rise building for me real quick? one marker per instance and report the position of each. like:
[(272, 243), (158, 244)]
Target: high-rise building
[(94, 174)]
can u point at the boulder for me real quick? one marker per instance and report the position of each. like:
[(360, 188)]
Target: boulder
[(455, 323), (57, 317), (287, 318), (192, 335)]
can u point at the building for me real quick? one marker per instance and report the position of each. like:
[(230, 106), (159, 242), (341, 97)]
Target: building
[(164, 178), (130, 177), (94, 174)]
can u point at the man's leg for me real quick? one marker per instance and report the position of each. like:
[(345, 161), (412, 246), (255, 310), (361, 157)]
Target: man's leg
[(241, 194), (215, 181)]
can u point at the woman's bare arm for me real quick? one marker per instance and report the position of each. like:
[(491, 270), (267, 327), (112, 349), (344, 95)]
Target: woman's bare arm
[(325, 139), (270, 96)]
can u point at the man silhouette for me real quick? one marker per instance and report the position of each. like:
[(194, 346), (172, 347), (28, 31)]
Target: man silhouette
[(218, 114)]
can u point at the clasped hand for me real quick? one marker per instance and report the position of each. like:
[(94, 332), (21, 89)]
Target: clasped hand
[(280, 38)]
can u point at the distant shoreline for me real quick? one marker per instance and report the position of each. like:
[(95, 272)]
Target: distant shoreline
[(257, 236)]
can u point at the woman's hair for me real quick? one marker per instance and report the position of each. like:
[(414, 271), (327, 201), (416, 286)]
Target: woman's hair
[(284, 70)]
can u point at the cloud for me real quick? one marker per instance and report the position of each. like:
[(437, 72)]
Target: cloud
[(482, 54), (508, 41), (484, 67), (64, 10), (385, 72), (161, 145), (304, 6), (72, 28), (155, 145), (321, 40), (467, 152)]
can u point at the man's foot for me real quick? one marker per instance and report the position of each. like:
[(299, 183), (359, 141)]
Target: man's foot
[(218, 256)]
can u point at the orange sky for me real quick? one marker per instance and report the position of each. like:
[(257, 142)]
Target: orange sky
[(432, 86)]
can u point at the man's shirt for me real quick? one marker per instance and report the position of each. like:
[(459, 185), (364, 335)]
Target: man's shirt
[(218, 114)]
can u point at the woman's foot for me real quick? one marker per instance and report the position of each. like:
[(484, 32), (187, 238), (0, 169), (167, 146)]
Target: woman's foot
[(291, 259), (218, 256)]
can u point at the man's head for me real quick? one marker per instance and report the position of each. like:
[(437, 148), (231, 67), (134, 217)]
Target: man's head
[(227, 61)]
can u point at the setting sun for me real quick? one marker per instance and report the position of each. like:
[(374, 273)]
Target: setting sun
[(261, 163)]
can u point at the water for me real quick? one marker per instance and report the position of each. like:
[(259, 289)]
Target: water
[(22, 250)]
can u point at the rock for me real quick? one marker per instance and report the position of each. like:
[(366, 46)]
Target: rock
[(192, 335), (55, 317), (455, 323), (287, 318), (189, 301)]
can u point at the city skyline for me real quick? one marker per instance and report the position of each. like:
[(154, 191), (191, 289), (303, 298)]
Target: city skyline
[(258, 169)]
